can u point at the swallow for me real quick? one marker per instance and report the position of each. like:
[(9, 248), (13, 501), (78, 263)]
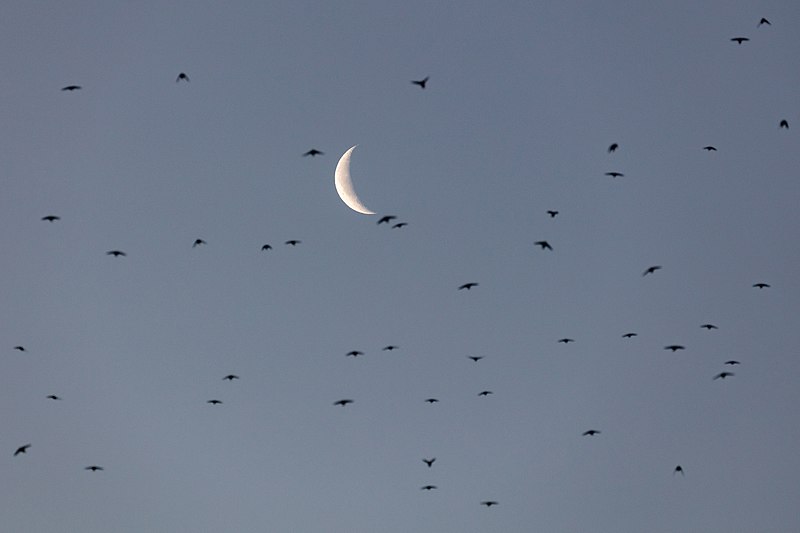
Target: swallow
[(231, 377), (72, 88), (428, 487), (674, 347), (651, 270), (784, 124), (20, 348), (429, 462), (53, 397), (431, 400), (615, 174), (709, 148), (475, 358), (313, 152), (266, 247), (94, 468), (613, 148), (214, 402), (116, 253), (386, 219), (198, 242), (400, 225), (182, 77), (552, 213), (489, 503), (485, 393), (739, 40), (761, 285), (53, 218), (591, 432), (732, 362), (629, 335), (354, 353), (421, 82), (678, 468), (342, 402), (468, 286), (723, 375), (566, 340), (22, 449), (389, 348), (709, 327), (293, 242), (764, 21), (544, 245)]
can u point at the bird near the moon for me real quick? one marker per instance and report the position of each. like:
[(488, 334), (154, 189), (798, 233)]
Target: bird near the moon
[(344, 185)]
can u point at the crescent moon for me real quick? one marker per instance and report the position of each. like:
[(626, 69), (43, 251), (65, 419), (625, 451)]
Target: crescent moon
[(344, 185)]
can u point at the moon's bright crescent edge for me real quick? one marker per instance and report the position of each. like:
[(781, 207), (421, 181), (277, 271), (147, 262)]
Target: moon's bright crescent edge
[(344, 185)]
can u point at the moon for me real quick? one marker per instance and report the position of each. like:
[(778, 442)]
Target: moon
[(344, 185)]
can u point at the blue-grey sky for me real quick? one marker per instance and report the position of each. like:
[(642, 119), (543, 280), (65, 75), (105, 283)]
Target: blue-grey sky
[(522, 103)]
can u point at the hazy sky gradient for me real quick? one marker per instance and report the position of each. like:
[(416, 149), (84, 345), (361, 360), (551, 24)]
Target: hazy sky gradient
[(522, 102)]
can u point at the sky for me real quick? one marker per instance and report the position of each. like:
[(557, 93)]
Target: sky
[(522, 102)]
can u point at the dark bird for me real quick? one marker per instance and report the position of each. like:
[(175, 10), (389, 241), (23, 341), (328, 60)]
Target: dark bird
[(214, 402), (761, 285), (19, 348), (431, 400), (421, 82), (723, 375), (429, 462), (389, 348), (629, 335), (709, 327), (94, 468), (428, 487), (613, 148), (313, 152), (566, 340), (784, 124), (400, 225), (552, 213), (53, 218), (342, 402), (615, 174), (22, 449), (475, 358), (386, 219), (116, 253), (293, 242), (182, 76), (72, 88), (53, 397), (651, 270), (468, 286), (231, 377), (739, 40), (764, 21), (591, 432), (198, 242), (732, 362), (354, 353), (678, 468), (544, 245), (489, 503), (266, 247), (709, 148), (674, 347), (485, 393)]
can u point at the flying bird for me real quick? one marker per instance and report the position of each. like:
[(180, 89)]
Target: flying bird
[(674, 347), (475, 358), (723, 375), (231, 377), (293, 242), (116, 253), (313, 152), (761, 285), (389, 348), (613, 148), (709, 148), (429, 462), (342, 402), (354, 353), (552, 213), (214, 402), (94, 468), (72, 88), (732, 362), (421, 82), (431, 400), (784, 124), (485, 393), (53, 397), (739, 40), (764, 21), (565, 340), (428, 487), (386, 219), (182, 77), (22, 449), (591, 432), (266, 247), (651, 270), (709, 327), (468, 286), (489, 503), (198, 242), (20, 348), (615, 174), (678, 468), (629, 335), (544, 245), (400, 225), (51, 218)]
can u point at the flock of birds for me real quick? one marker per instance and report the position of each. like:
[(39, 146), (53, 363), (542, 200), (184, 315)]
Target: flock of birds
[(544, 245)]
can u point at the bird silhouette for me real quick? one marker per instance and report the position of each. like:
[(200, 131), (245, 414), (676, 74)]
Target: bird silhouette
[(53, 397), (739, 40), (709, 327), (22, 449), (764, 21), (784, 124), (552, 213), (214, 402), (489, 503), (386, 219), (468, 286), (485, 393), (651, 270), (400, 225), (116, 253), (389, 348), (428, 487), (431, 400), (615, 174), (591, 432), (674, 347), (678, 468), (566, 340), (342, 402), (544, 245), (72, 88), (266, 247), (293, 242), (475, 358), (354, 353), (613, 148), (429, 462), (709, 148), (20, 348), (723, 375), (231, 377), (51, 218), (182, 77), (421, 82), (732, 362), (94, 468), (629, 335), (761, 285), (198, 242), (313, 152)]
